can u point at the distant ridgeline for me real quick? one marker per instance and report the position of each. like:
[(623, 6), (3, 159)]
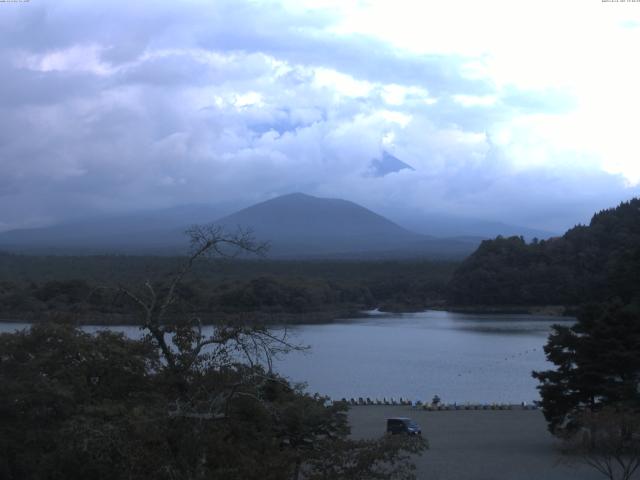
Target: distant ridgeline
[(587, 264)]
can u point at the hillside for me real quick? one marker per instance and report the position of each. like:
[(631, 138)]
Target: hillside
[(301, 225), (442, 225), (588, 263), (131, 233), (296, 226)]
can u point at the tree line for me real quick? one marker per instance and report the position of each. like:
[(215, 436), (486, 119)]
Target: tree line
[(72, 285), (588, 263)]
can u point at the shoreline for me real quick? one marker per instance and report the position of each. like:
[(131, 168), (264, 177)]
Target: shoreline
[(544, 310), (117, 319), (283, 318), (444, 407)]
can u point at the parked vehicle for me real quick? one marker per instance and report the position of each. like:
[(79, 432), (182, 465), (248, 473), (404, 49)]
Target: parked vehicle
[(398, 425)]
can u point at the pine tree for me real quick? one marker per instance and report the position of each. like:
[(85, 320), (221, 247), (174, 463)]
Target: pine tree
[(597, 364)]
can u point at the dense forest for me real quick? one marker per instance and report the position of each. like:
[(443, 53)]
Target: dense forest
[(594, 262), (33, 287)]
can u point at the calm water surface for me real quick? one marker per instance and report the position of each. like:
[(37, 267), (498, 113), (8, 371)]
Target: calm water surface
[(460, 357)]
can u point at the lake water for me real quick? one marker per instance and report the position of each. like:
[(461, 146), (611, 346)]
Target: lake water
[(461, 357)]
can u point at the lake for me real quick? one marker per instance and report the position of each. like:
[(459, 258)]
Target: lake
[(460, 357), (474, 358)]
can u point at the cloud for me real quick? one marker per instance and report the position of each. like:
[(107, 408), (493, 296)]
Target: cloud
[(110, 107)]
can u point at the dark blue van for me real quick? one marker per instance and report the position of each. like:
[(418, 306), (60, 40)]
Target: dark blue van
[(398, 425)]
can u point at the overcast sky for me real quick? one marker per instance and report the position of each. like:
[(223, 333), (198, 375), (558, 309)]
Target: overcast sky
[(519, 111)]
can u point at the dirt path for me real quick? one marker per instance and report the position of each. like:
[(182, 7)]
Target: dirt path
[(478, 445)]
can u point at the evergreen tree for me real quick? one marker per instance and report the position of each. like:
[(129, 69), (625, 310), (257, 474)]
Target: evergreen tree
[(597, 364)]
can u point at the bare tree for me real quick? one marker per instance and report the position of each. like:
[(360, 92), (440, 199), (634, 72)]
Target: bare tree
[(608, 441), (184, 345), (219, 382)]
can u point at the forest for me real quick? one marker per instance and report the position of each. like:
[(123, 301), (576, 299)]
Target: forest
[(589, 263), (32, 287), (594, 262)]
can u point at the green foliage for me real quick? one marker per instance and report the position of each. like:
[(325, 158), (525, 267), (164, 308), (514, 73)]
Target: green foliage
[(368, 459), (58, 382), (588, 263), (76, 406), (33, 286), (178, 404), (597, 364)]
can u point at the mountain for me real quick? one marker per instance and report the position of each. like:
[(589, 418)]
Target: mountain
[(135, 232), (589, 263), (387, 164), (456, 226), (302, 225), (296, 226)]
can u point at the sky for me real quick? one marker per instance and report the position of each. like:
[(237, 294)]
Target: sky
[(524, 112)]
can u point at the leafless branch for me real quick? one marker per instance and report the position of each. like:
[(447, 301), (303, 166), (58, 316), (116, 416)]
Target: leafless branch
[(609, 442)]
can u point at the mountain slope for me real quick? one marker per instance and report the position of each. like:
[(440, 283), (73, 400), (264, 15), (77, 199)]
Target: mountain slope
[(296, 226), (313, 220), (441, 225), (588, 263), (302, 225), (162, 228), (388, 164)]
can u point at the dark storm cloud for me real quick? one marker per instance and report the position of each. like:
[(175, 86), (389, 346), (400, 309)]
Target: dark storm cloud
[(24, 88), (128, 30), (115, 106), (359, 56)]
